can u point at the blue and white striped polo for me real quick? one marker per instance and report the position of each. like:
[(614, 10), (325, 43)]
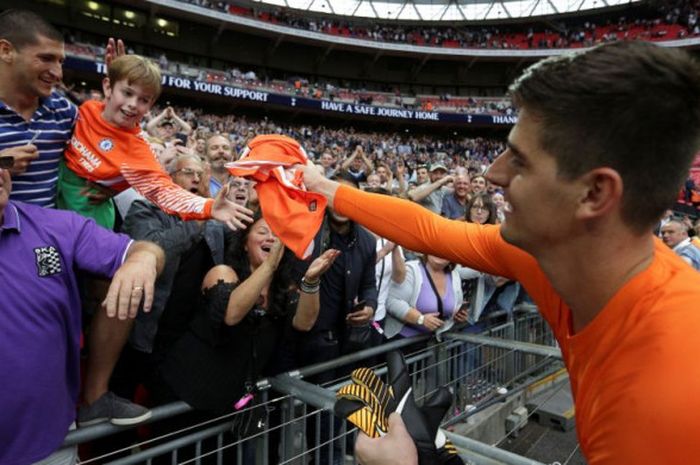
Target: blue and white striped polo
[(52, 124)]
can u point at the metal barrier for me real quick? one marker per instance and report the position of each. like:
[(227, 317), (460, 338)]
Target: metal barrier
[(291, 422)]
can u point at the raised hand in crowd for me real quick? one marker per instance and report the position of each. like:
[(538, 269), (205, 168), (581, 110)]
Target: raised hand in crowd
[(231, 214), (169, 114), (274, 258), (309, 300), (401, 177), (23, 155), (114, 49), (348, 161), (421, 192), (369, 166), (386, 250), (204, 182), (320, 265)]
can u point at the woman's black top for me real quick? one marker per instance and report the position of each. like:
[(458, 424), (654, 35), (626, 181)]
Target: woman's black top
[(213, 365)]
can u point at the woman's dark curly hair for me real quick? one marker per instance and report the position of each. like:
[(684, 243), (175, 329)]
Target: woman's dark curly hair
[(282, 282)]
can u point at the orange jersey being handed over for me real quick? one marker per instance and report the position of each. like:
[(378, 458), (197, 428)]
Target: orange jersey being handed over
[(633, 369), (120, 158)]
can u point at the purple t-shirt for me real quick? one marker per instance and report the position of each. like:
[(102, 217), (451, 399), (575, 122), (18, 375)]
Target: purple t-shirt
[(40, 252), (427, 303)]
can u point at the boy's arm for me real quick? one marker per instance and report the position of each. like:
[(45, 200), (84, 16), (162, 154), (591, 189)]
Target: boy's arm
[(149, 180)]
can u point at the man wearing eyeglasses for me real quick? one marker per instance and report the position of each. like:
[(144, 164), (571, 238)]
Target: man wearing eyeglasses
[(191, 249), (43, 250)]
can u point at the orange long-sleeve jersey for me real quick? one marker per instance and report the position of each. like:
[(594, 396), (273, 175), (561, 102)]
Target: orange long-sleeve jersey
[(120, 158), (294, 214), (633, 370)]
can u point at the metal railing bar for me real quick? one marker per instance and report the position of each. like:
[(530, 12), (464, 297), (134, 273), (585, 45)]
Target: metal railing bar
[(527, 347), (310, 394), (468, 444), (174, 444), (173, 433), (472, 458), (311, 370), (440, 363)]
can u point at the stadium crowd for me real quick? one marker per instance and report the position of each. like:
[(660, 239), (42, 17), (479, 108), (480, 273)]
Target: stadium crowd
[(302, 86), (672, 20), (229, 304)]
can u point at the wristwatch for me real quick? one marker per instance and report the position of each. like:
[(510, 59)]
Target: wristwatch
[(421, 320)]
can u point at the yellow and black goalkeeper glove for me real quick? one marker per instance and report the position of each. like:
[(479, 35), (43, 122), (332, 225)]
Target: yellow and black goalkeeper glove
[(368, 401)]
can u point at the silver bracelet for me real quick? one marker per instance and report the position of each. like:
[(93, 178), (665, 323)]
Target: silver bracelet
[(309, 288)]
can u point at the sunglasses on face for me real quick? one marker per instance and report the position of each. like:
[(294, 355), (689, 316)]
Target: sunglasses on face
[(7, 162)]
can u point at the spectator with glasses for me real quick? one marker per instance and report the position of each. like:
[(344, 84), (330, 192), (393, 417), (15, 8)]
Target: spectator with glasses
[(242, 192), (491, 292), (191, 249), (481, 210)]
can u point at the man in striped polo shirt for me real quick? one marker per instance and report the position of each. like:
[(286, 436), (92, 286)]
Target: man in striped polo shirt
[(35, 121)]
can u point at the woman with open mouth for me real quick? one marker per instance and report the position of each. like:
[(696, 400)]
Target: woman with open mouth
[(246, 308)]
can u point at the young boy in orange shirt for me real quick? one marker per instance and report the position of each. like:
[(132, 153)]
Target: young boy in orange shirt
[(109, 149)]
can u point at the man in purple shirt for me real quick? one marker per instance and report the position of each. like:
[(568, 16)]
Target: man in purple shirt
[(41, 250)]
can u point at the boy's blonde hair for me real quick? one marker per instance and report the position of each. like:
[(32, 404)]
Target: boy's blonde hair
[(136, 69)]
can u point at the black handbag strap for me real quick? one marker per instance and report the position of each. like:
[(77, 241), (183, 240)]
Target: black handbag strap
[(381, 274), (437, 294)]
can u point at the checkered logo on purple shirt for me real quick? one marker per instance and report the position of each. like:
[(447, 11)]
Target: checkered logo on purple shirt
[(48, 260)]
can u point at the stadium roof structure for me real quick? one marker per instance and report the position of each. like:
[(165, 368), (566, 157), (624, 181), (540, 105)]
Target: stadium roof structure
[(446, 10)]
